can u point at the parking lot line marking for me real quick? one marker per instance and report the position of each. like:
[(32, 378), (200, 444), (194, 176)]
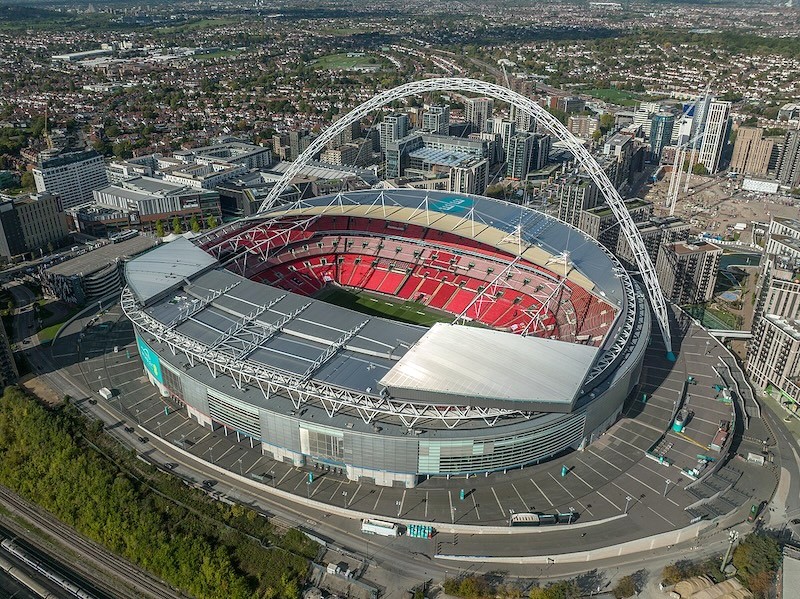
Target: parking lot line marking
[(524, 505), (600, 474), (261, 457), (284, 476), (560, 485), (546, 498), (402, 502), (426, 504), (353, 498), (176, 428), (584, 507), (578, 476), (380, 494), (336, 490), (226, 452), (452, 511), (496, 498), (660, 515), (609, 501), (300, 482), (477, 513), (595, 453)]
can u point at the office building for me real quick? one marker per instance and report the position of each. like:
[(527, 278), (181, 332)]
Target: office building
[(392, 128), (661, 126), (601, 224), (788, 170), (30, 224), (444, 151), (436, 119), (72, 176), (715, 135), (751, 152), (477, 111), (570, 104), (229, 150), (687, 272), (576, 194)]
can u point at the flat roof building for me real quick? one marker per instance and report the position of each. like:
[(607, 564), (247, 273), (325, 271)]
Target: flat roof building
[(687, 272), (31, 223), (72, 176)]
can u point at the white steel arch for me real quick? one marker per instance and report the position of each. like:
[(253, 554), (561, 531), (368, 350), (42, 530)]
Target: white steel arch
[(543, 118)]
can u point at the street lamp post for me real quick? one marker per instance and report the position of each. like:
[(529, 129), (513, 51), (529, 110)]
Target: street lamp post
[(667, 483), (627, 501), (399, 505), (344, 495), (272, 474)]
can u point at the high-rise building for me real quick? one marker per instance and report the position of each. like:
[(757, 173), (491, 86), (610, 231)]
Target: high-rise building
[(642, 117), (715, 135), (582, 125), (392, 128), (575, 195), (751, 152), (601, 224), (470, 176), (436, 119), (661, 126), (773, 354), (526, 152), (687, 272), (477, 111), (655, 231), (788, 170), (31, 223), (72, 176), (299, 140), (522, 119)]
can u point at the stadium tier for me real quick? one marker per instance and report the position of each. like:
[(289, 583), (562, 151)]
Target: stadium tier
[(393, 334)]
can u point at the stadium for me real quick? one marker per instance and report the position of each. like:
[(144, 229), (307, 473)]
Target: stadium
[(393, 335)]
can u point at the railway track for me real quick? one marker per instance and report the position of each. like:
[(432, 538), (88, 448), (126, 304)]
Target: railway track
[(140, 583)]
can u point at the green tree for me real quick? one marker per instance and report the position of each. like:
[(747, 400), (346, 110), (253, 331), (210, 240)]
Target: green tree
[(624, 588), (194, 224), (211, 221), (564, 589), (756, 560), (27, 181), (606, 122), (176, 225), (160, 229), (699, 169)]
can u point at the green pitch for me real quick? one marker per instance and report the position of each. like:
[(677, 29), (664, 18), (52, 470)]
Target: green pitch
[(385, 307)]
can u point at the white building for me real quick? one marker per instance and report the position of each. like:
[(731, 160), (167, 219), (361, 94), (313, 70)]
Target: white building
[(715, 135), (72, 176)]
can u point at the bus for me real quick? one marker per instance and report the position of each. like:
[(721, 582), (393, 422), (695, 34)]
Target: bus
[(380, 527), (539, 519)]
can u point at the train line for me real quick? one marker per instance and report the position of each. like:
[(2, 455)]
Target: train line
[(140, 583)]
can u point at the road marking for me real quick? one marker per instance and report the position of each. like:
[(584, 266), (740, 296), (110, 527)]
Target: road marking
[(426, 505), (659, 515), (261, 457), (497, 499), (609, 501), (353, 498), (524, 505), (560, 485), (336, 490), (302, 480), (595, 453), (578, 476), (586, 508), (452, 511), (177, 427), (226, 452), (375, 507), (546, 498), (402, 502), (477, 513), (284, 476), (600, 474)]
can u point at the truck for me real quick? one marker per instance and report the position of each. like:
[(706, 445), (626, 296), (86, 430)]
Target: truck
[(382, 528)]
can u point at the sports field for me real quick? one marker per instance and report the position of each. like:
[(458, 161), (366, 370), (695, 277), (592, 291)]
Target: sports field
[(346, 61), (377, 305)]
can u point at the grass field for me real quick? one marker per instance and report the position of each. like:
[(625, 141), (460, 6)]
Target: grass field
[(376, 305), (614, 96), (217, 54), (344, 62)]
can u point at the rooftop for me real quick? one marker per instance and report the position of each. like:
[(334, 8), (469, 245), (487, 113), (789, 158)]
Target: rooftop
[(100, 258), (684, 248)]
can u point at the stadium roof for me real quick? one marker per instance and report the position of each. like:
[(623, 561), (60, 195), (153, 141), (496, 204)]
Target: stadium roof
[(165, 267), (467, 362)]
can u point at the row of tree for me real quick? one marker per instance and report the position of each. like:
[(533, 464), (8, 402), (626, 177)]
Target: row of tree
[(55, 459)]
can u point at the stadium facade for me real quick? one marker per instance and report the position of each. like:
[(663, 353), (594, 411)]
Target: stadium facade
[(541, 336)]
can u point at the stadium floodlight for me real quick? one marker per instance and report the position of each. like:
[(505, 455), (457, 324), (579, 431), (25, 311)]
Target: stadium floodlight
[(545, 120)]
